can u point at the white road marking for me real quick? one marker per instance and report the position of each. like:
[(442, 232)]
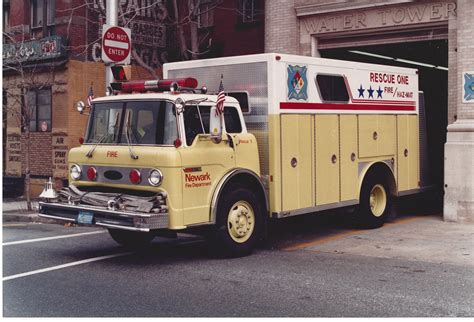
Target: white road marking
[(53, 268), (51, 238)]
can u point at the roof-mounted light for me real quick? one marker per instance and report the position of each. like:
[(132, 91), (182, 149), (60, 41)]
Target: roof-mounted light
[(155, 85)]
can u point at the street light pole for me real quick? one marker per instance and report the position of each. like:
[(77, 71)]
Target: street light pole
[(112, 20)]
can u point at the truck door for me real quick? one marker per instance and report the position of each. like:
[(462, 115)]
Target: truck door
[(203, 164)]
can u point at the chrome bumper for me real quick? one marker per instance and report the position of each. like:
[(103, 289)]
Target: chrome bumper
[(104, 217)]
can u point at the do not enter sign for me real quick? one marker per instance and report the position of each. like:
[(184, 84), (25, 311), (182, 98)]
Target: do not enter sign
[(116, 44)]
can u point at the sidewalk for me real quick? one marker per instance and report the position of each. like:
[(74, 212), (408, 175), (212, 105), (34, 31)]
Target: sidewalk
[(16, 210)]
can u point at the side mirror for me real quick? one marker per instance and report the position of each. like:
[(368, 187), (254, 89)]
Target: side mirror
[(215, 125), (179, 104), (80, 106)]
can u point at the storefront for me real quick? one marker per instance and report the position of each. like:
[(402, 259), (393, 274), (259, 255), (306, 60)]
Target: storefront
[(40, 86), (432, 36)]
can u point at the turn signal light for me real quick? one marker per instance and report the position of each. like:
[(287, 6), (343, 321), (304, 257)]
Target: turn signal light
[(177, 143), (135, 176), (92, 174)]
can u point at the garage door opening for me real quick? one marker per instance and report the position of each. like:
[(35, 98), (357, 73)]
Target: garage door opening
[(431, 59)]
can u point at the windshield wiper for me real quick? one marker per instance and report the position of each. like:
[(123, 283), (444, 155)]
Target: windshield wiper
[(128, 129), (103, 137)]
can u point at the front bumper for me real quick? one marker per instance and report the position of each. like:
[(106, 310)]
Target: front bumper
[(119, 219)]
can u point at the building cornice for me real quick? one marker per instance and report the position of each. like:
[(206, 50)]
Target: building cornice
[(342, 5)]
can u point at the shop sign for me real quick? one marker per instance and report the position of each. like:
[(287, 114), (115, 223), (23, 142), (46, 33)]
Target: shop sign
[(34, 50), (14, 147), (59, 147), (468, 87)]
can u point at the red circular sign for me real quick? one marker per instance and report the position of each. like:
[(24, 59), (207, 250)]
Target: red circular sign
[(116, 44)]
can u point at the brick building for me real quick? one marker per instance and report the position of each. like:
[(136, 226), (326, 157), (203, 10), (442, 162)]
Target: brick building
[(52, 58), (435, 37)]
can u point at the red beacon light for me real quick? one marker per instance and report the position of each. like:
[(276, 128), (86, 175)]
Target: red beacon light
[(155, 85)]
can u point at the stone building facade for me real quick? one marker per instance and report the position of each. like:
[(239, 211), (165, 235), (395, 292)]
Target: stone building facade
[(321, 27)]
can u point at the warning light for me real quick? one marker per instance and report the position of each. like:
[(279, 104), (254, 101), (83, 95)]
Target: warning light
[(154, 85)]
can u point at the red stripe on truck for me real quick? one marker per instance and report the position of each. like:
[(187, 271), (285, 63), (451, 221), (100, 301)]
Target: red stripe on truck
[(347, 107)]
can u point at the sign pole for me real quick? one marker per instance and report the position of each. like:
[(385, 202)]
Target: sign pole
[(111, 19)]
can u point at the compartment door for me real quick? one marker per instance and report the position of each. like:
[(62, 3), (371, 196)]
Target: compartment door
[(386, 135), (376, 135), (413, 152), (408, 153), (327, 159), (296, 163), (349, 164), (402, 144)]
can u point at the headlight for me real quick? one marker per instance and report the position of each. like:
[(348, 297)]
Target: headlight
[(155, 178), (75, 172)]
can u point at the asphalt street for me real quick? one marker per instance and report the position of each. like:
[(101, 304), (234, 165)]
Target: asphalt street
[(309, 266)]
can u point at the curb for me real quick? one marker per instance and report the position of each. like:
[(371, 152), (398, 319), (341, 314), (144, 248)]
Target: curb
[(11, 216)]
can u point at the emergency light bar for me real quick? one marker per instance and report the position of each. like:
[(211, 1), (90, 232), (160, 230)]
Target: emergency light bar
[(155, 85)]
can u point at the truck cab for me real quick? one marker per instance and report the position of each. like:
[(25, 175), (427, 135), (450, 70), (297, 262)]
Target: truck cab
[(149, 163)]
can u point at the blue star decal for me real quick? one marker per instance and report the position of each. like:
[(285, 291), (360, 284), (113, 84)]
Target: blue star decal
[(361, 91), (379, 93), (371, 92)]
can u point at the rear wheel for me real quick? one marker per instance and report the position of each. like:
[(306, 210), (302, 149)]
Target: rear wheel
[(238, 225), (375, 202), (131, 239)]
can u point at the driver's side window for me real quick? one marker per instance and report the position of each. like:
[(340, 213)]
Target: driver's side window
[(196, 121)]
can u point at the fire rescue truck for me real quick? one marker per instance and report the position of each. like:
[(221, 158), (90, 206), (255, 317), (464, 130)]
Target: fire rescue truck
[(297, 135)]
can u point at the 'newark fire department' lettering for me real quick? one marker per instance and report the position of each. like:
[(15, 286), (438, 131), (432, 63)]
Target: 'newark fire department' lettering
[(197, 180)]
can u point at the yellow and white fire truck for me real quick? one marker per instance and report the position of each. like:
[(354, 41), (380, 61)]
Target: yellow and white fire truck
[(296, 135)]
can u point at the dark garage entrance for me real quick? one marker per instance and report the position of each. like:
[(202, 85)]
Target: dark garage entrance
[(433, 81)]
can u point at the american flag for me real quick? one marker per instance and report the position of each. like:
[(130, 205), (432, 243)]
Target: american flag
[(90, 96), (220, 99)]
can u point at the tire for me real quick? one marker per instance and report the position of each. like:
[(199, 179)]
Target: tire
[(375, 202), (239, 223), (131, 239)]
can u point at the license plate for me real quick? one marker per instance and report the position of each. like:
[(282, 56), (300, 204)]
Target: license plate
[(85, 217)]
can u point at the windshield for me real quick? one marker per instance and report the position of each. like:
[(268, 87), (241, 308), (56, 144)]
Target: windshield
[(145, 122)]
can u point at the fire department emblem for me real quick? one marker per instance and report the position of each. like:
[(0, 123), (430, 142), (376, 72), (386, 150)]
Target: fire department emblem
[(297, 82), (468, 96)]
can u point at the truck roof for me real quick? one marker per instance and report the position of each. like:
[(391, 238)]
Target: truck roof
[(272, 57), (163, 95)]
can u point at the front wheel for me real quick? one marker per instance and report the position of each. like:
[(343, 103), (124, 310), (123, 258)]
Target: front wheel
[(131, 239), (239, 223), (375, 203)]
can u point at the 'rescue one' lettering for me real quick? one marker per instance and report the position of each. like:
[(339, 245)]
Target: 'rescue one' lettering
[(197, 180), (389, 78)]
